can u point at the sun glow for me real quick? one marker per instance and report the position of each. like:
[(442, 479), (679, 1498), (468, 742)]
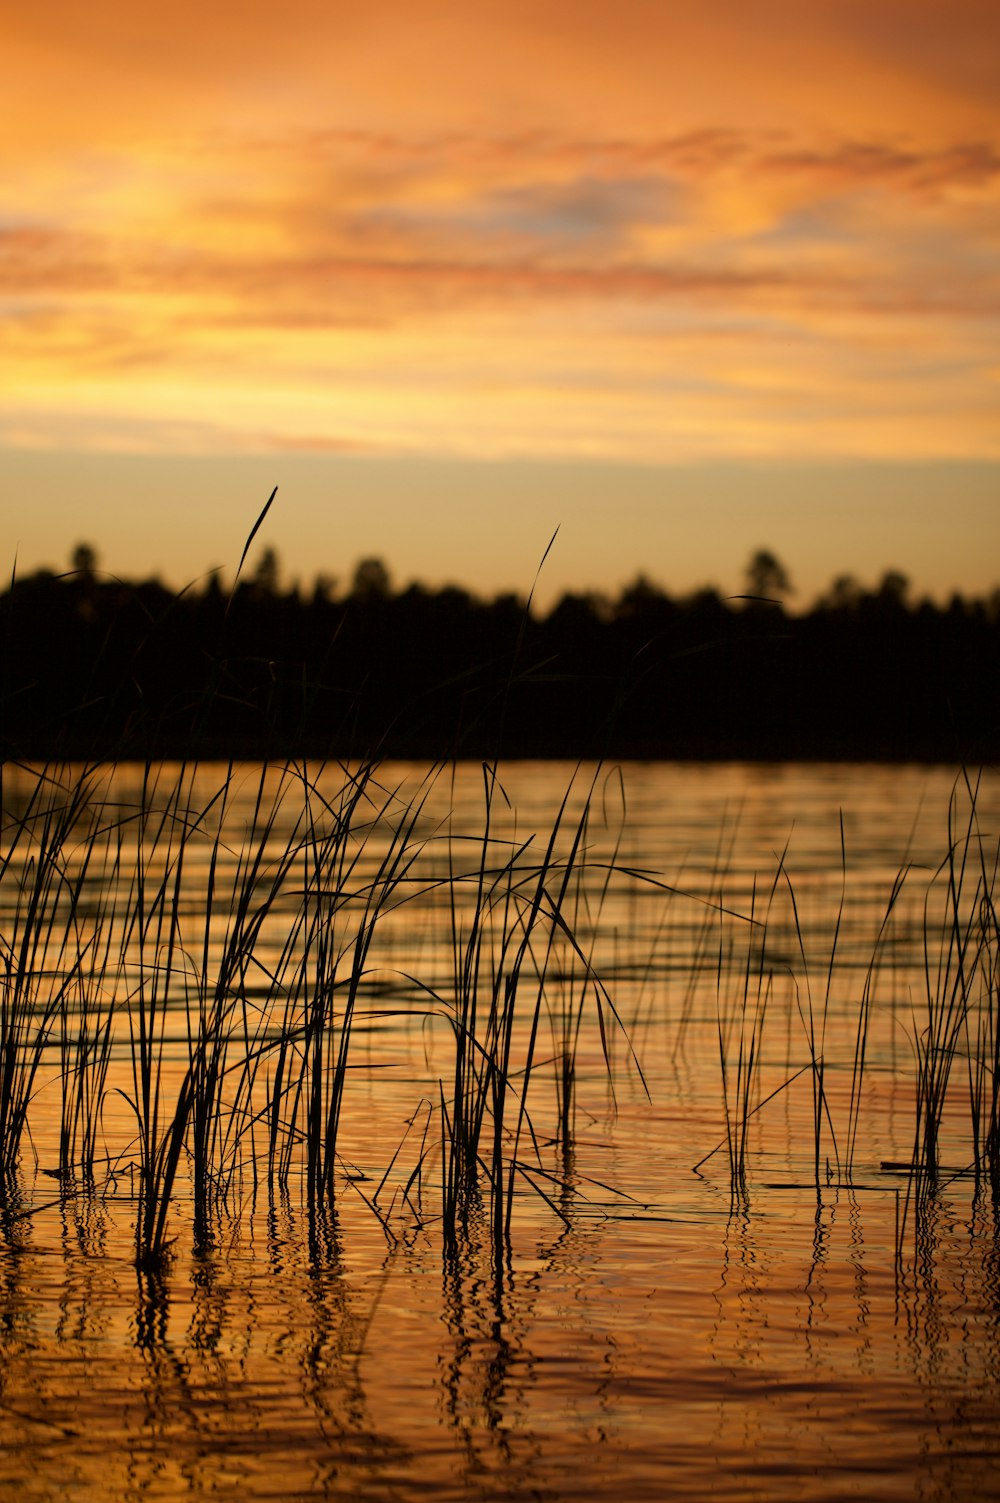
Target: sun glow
[(649, 238)]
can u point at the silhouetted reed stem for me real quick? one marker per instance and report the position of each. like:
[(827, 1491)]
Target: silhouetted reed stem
[(230, 940), (43, 955)]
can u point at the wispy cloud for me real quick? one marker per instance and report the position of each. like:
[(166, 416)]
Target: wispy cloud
[(707, 289)]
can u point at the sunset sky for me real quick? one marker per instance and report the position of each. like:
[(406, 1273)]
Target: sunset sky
[(681, 281)]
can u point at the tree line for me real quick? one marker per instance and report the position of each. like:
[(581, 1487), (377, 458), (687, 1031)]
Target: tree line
[(94, 666)]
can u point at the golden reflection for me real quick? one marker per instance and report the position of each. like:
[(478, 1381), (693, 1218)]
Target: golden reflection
[(805, 1333)]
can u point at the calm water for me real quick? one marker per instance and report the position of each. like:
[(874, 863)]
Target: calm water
[(650, 1332)]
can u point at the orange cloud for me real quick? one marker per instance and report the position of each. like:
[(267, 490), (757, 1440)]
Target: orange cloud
[(646, 231)]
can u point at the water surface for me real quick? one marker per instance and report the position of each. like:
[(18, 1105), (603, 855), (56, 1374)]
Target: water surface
[(815, 1330)]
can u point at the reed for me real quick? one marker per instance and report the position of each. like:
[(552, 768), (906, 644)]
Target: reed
[(236, 908), (88, 1007), (582, 901), (947, 978), (515, 961), (43, 954), (740, 1026), (961, 996), (232, 947), (153, 943), (985, 1072), (863, 1025), (814, 1017), (746, 1021), (489, 947), (981, 1024), (346, 903), (279, 1062)]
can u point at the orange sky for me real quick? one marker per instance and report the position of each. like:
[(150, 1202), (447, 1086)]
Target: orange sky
[(641, 236)]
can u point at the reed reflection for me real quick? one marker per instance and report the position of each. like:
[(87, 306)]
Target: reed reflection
[(89, 1286), (290, 1337), (476, 1360), (334, 1335), (513, 1387)]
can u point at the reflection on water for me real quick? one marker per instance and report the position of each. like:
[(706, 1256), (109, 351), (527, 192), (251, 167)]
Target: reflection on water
[(644, 1332)]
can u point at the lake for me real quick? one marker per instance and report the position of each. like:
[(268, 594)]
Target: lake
[(537, 1133)]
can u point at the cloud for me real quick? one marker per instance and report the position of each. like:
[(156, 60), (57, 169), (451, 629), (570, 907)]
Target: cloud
[(361, 229), (91, 430), (372, 286), (973, 165)]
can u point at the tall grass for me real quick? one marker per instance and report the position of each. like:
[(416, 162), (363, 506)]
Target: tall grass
[(291, 1038), (582, 904), (345, 905), (961, 1014), (156, 960), (226, 934), (955, 1035), (741, 1026), (502, 949), (239, 1047), (88, 1007), (864, 1019), (44, 958), (517, 965), (220, 1022)]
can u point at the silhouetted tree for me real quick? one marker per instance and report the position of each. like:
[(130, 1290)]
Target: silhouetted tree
[(267, 574), (371, 580), (94, 666), (843, 594), (766, 576), (324, 586), (893, 587), (83, 560), (638, 597)]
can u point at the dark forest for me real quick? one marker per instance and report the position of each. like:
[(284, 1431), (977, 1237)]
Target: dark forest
[(95, 667)]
